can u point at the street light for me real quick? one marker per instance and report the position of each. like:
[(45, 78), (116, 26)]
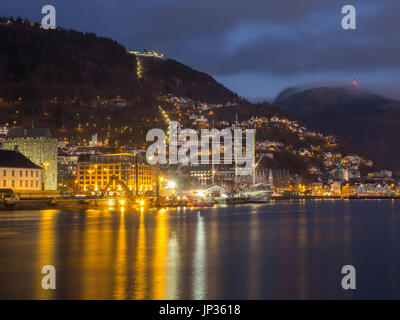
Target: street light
[(171, 184)]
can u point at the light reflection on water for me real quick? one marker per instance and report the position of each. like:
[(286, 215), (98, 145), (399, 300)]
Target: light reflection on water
[(199, 261), (281, 250)]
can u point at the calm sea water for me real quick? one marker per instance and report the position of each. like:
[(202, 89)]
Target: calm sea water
[(283, 250)]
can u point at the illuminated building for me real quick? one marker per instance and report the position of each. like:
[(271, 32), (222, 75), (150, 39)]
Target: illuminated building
[(349, 190), (38, 145), (373, 189), (201, 175), (94, 172), (201, 123), (66, 166), (18, 173), (145, 53)]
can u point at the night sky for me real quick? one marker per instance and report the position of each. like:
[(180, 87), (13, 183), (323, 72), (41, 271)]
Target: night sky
[(254, 47)]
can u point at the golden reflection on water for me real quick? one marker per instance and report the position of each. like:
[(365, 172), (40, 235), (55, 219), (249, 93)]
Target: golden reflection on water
[(125, 254), (173, 268), (46, 248), (140, 280), (98, 250), (120, 265), (160, 256)]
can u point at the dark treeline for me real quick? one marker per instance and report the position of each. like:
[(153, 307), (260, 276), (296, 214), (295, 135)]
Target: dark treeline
[(37, 65)]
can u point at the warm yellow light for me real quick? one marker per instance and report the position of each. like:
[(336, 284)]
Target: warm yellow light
[(141, 203), (122, 202)]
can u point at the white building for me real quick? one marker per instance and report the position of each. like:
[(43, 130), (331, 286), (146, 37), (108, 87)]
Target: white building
[(371, 189), (18, 173), (351, 174)]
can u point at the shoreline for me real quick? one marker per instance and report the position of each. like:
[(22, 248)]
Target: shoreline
[(80, 205), (392, 197)]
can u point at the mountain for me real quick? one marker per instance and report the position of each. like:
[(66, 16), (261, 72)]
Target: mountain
[(286, 93), (170, 76), (78, 84), (37, 65), (367, 121)]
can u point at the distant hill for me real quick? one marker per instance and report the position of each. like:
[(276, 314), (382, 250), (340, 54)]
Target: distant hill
[(173, 77), (367, 121), (37, 65)]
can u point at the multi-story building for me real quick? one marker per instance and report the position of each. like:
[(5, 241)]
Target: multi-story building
[(349, 190), (201, 175), (66, 167), (94, 172), (351, 174), (18, 173), (40, 147)]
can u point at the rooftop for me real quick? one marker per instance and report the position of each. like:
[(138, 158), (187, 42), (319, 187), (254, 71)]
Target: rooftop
[(29, 133), (12, 159)]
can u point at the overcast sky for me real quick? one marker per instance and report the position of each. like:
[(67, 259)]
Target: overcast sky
[(254, 47)]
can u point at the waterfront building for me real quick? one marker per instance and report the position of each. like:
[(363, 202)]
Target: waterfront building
[(201, 175), (215, 191), (127, 171), (349, 190), (373, 189), (317, 188), (19, 173), (336, 188), (66, 166), (38, 145)]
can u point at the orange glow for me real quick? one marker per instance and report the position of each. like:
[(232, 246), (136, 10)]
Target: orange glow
[(160, 258)]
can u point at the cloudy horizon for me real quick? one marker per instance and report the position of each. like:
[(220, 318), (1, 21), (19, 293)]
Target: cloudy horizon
[(256, 49)]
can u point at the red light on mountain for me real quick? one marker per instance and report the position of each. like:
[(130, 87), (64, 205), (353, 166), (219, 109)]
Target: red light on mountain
[(355, 83)]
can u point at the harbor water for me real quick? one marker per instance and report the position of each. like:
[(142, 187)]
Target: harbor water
[(281, 250)]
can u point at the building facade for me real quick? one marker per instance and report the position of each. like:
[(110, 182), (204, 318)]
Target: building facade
[(18, 173), (40, 147), (66, 167), (94, 172)]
